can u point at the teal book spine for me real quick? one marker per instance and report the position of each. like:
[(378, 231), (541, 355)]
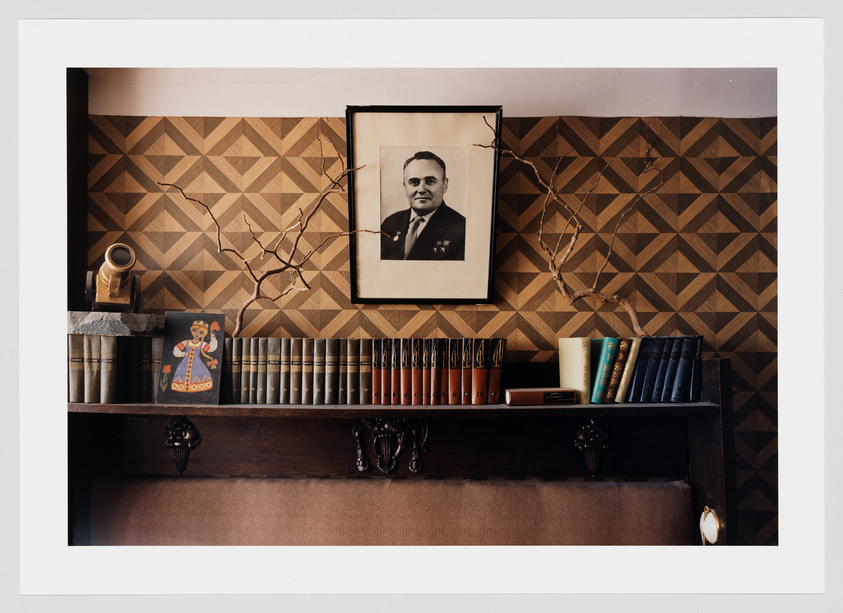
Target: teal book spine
[(603, 358)]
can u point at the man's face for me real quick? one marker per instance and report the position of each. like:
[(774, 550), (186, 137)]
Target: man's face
[(425, 184)]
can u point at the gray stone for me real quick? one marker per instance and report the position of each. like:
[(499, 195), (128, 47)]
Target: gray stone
[(114, 324)]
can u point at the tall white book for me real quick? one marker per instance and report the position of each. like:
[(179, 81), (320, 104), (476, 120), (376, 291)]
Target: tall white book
[(575, 366)]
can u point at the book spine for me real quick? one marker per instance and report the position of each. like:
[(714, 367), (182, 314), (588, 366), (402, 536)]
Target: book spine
[(497, 348), (108, 368), (366, 382), (681, 390), (263, 369), (628, 370), (454, 371), (245, 358), (377, 371), (295, 370), (386, 371), (653, 363), (236, 367), (92, 368), (273, 370), (656, 395), (225, 390), (603, 355), (641, 365), (285, 367), (319, 345), (307, 371), (520, 397), (342, 371), (353, 371), (696, 372), (146, 368), (427, 370), (395, 370), (443, 370), (157, 347), (406, 372), (672, 365), (617, 369), (75, 368), (253, 370), (416, 379), (480, 371), (465, 372), (575, 366), (435, 370), (332, 371)]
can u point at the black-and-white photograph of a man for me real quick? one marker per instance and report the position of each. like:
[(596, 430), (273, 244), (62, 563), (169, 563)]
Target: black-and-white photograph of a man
[(428, 229)]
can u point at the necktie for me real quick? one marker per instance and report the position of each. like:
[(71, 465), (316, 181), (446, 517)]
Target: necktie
[(412, 234)]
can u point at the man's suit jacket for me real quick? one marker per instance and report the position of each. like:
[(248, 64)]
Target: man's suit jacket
[(442, 236)]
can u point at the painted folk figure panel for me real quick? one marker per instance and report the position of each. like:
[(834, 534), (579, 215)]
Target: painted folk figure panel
[(191, 359)]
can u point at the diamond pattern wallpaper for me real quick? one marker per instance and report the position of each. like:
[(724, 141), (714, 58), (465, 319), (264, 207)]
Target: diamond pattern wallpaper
[(697, 255)]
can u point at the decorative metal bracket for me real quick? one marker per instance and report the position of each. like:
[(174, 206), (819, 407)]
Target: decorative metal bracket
[(182, 437), (591, 438), (388, 440)]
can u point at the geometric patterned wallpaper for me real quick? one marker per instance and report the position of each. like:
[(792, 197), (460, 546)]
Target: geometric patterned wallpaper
[(698, 255)]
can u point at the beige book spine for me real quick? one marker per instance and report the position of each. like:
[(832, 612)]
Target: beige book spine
[(574, 366)]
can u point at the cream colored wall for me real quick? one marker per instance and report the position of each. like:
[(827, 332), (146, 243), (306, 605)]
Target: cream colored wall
[(533, 92)]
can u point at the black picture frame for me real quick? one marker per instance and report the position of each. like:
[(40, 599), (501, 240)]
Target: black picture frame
[(451, 261)]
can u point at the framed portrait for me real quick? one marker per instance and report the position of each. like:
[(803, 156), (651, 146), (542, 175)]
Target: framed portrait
[(422, 202), (191, 358)]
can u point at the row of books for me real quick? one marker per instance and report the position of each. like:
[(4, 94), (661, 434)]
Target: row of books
[(112, 369), (434, 371), (647, 369), (339, 371)]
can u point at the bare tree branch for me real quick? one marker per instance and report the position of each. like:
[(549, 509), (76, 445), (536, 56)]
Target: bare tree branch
[(294, 258), (559, 254)]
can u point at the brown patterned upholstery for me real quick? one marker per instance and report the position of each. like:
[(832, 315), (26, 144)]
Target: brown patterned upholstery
[(241, 511)]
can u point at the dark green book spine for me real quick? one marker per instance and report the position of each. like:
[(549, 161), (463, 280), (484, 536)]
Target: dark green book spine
[(263, 365), (285, 366), (273, 370), (319, 371), (603, 358)]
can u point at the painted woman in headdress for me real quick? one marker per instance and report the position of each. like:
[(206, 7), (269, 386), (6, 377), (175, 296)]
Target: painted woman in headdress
[(192, 374)]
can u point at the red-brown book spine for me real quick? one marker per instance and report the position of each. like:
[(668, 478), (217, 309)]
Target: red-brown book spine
[(377, 370), (386, 371), (480, 371), (467, 361), (496, 348), (435, 370), (454, 371), (395, 366), (426, 371), (443, 369), (406, 373), (416, 370)]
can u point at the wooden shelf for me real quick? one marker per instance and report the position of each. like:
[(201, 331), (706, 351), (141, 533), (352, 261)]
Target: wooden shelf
[(417, 412)]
